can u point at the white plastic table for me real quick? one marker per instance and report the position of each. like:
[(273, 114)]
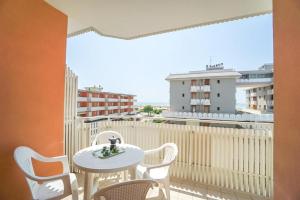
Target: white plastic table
[(88, 163)]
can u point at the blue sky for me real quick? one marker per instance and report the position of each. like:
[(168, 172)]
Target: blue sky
[(140, 66)]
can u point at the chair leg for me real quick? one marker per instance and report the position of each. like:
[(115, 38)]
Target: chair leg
[(167, 188), (75, 195)]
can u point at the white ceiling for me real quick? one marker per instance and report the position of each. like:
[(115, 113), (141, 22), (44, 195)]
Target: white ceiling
[(128, 19)]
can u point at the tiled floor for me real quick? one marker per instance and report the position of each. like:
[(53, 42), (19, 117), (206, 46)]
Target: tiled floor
[(188, 191)]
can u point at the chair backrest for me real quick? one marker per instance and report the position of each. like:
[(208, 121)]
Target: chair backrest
[(170, 152), (102, 138), (131, 190), (23, 157)]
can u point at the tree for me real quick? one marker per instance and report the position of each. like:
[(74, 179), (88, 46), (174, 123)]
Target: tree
[(148, 109)]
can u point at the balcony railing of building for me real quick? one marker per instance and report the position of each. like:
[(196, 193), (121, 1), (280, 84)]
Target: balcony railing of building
[(82, 99), (255, 80), (96, 99), (203, 88), (97, 108), (253, 94), (82, 109), (220, 116), (270, 92), (238, 159), (113, 100), (200, 102)]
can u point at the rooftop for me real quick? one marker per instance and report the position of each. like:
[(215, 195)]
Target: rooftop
[(224, 73)]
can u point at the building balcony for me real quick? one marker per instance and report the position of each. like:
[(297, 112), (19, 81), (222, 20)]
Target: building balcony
[(97, 108), (82, 99), (125, 100), (200, 101), (82, 109), (270, 92), (203, 88), (113, 100), (255, 80), (253, 94), (96, 99), (112, 107)]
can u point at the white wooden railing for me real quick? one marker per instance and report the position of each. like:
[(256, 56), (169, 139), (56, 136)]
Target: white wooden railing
[(240, 159), (220, 116)]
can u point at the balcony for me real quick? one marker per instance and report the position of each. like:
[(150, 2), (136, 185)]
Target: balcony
[(212, 162), (82, 99), (112, 107), (270, 92), (112, 100), (255, 80), (125, 100), (203, 88), (96, 99), (82, 109), (200, 102), (253, 94), (97, 108)]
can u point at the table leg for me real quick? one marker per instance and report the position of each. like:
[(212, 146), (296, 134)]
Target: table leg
[(132, 172), (88, 185)]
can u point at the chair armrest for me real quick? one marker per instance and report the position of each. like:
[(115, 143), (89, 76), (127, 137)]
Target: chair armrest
[(62, 159), (149, 167), (151, 151), (65, 177)]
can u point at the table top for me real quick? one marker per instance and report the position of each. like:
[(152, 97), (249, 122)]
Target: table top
[(85, 160)]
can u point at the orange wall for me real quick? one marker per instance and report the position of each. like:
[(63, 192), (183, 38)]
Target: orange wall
[(287, 99), (32, 59)]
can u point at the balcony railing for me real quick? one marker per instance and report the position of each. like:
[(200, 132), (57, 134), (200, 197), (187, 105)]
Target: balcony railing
[(112, 100), (270, 92), (200, 102), (239, 159), (253, 94), (96, 99), (220, 116), (97, 108), (255, 80), (203, 88), (82, 99), (125, 100), (82, 109)]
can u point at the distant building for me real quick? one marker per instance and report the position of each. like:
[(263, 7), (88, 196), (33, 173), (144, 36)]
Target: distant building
[(259, 88), (92, 101), (208, 91)]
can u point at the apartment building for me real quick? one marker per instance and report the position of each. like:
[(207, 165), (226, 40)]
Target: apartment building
[(92, 101), (208, 91), (259, 88)]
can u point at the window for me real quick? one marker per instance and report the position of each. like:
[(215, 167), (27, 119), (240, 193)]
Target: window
[(218, 108), (182, 94), (218, 81), (218, 95), (182, 82), (182, 107)]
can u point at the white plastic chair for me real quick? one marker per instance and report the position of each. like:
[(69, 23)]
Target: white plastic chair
[(131, 190), (102, 138), (50, 187), (159, 172)]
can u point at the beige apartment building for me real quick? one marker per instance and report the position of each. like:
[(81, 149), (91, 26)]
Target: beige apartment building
[(259, 88)]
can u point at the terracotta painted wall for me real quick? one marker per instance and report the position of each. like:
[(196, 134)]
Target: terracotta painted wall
[(287, 99), (32, 60)]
